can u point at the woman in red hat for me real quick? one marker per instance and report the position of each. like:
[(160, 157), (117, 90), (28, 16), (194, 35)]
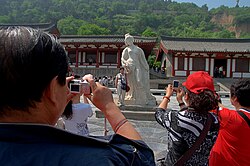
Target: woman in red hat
[(192, 131)]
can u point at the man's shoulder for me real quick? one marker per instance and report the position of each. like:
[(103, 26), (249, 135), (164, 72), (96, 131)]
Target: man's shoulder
[(226, 111), (33, 138)]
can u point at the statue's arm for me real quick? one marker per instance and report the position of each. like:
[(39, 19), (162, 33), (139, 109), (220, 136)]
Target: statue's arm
[(124, 57)]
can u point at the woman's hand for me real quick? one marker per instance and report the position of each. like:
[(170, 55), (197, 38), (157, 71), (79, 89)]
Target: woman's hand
[(179, 94), (169, 90)]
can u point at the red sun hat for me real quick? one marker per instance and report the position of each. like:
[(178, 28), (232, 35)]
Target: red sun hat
[(199, 81)]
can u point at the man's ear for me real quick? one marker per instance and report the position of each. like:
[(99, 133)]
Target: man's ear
[(234, 101), (51, 91)]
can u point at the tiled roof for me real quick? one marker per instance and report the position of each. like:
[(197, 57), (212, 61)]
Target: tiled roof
[(103, 39), (47, 27), (206, 45)]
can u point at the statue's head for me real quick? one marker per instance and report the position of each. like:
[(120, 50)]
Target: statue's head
[(129, 40)]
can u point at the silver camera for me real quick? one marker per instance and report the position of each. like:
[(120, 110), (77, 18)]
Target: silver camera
[(76, 86)]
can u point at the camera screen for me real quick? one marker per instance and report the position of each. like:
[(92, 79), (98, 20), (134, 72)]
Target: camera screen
[(74, 88), (176, 84)]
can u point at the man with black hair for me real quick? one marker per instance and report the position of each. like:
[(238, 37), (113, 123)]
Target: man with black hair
[(33, 94), (232, 146)]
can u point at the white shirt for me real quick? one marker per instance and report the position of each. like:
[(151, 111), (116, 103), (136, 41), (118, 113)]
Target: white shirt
[(78, 123)]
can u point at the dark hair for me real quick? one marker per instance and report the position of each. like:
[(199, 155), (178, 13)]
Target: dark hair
[(121, 68), (68, 111), (29, 60), (203, 102), (241, 90)]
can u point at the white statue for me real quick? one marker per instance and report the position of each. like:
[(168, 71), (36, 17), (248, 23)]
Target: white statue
[(135, 63)]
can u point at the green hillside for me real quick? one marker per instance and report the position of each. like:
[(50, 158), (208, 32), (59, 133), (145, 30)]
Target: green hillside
[(117, 17)]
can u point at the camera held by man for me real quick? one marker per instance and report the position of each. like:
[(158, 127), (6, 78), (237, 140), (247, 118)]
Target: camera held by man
[(76, 86)]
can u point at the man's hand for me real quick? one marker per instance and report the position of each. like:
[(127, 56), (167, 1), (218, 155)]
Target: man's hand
[(101, 96), (69, 94)]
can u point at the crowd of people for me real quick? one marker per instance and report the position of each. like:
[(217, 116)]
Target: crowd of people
[(203, 131), (219, 72), (107, 81), (34, 96)]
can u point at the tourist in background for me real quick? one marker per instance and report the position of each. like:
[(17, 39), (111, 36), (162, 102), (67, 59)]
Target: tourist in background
[(105, 81), (221, 72), (119, 80), (216, 72), (76, 115), (232, 146), (185, 126), (100, 80)]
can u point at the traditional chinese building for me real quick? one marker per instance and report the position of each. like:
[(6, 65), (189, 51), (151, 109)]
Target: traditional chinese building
[(100, 55), (183, 56)]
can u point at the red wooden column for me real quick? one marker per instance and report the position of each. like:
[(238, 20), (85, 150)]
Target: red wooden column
[(77, 53), (188, 61), (231, 65), (119, 57), (173, 66), (97, 56), (100, 55), (209, 63)]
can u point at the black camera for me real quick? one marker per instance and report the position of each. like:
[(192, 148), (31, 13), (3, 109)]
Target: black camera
[(176, 83)]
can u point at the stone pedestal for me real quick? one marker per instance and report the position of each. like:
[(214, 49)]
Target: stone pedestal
[(151, 103)]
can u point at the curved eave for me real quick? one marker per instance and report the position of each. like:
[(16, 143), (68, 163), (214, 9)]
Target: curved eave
[(206, 45), (210, 51), (104, 40)]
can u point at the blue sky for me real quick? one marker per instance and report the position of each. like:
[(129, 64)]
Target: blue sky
[(217, 3)]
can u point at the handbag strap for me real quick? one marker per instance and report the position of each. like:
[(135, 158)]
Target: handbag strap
[(244, 117), (120, 76), (126, 79), (187, 155)]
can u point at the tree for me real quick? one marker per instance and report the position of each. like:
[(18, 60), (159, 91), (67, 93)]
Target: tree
[(69, 25), (151, 60), (4, 19), (149, 32), (224, 34), (92, 29), (123, 24)]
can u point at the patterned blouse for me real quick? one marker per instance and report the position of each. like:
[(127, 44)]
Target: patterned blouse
[(184, 127)]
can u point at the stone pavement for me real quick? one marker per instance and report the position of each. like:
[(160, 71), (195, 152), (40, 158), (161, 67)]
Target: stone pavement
[(151, 132)]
